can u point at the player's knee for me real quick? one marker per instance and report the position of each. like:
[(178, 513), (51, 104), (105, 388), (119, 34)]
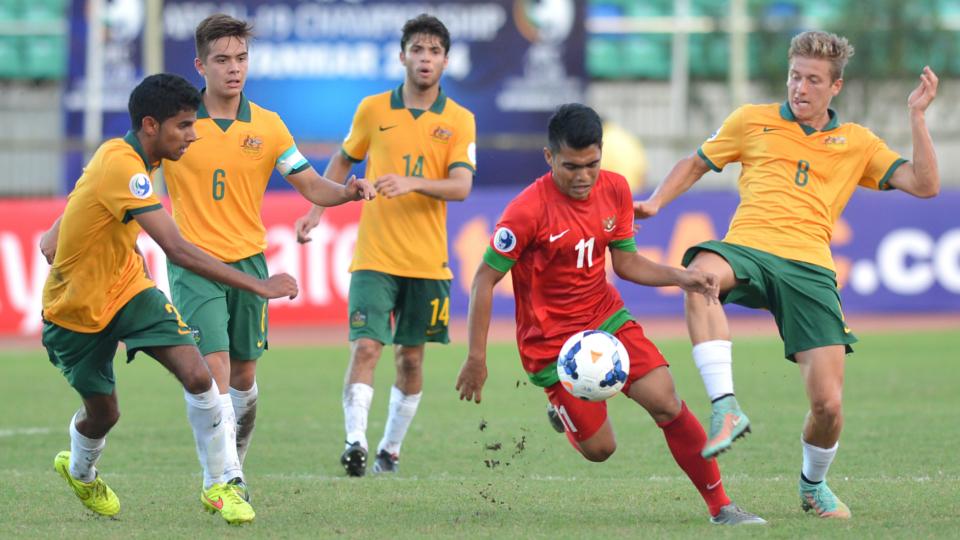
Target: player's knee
[(103, 420), (366, 352), (827, 410), (599, 453)]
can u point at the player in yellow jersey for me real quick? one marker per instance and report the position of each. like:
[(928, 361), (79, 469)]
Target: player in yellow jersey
[(420, 149), (800, 167), (98, 293), (216, 191)]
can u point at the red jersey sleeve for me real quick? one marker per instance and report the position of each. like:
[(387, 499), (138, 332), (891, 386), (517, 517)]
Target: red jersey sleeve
[(516, 230)]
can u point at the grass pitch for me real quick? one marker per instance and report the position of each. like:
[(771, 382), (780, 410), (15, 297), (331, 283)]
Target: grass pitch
[(496, 469)]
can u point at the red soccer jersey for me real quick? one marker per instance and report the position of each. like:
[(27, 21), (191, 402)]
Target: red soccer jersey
[(555, 246)]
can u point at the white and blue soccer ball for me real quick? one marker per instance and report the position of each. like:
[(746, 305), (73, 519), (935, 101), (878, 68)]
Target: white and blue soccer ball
[(593, 365)]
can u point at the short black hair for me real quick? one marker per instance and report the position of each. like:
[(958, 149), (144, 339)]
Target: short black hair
[(425, 24), (161, 96), (575, 126)]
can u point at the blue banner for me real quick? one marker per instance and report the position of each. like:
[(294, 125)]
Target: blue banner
[(511, 61)]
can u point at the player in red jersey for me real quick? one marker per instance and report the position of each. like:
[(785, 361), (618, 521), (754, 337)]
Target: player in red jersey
[(553, 237)]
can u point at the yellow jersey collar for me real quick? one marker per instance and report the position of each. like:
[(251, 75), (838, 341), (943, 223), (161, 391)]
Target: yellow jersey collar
[(131, 139), (787, 114), (243, 111), (396, 100)]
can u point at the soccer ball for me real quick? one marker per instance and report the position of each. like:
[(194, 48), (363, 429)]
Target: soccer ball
[(593, 365)]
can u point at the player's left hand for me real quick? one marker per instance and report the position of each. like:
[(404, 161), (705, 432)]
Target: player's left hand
[(471, 378), (48, 247), (360, 189), (394, 185), (704, 283), (922, 96)]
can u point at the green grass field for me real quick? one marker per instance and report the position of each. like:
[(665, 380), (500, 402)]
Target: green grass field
[(896, 468)]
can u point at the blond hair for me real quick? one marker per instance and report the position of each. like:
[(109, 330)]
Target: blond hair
[(823, 45)]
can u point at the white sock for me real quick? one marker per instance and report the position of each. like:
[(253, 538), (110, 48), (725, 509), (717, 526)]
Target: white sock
[(245, 410), (84, 453), (402, 410), (206, 419), (816, 460), (714, 359), (231, 463), (356, 407)]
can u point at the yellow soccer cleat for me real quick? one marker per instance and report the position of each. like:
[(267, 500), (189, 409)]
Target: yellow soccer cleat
[(96, 495), (225, 499)]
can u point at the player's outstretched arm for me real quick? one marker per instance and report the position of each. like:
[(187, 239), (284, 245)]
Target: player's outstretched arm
[(683, 175), (322, 191), (921, 177), (473, 373), (632, 266), (161, 227), (337, 170), (454, 188), (48, 242)]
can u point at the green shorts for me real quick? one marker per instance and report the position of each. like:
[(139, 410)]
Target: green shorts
[(86, 360), (803, 297), (420, 308), (226, 318)]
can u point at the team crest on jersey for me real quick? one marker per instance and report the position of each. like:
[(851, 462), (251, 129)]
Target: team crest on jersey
[(358, 319), (140, 186), (441, 134), (251, 145), (609, 223), (839, 140), (504, 240)]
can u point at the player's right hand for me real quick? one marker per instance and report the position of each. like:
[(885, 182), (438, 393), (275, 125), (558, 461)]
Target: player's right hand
[(705, 283), (280, 285), (471, 378), (304, 225), (644, 209)]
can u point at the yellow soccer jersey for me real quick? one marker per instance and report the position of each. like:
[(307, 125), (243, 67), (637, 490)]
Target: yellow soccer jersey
[(96, 270), (795, 180), (217, 187), (407, 236)]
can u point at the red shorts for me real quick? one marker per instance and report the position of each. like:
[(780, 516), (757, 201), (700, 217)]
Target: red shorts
[(584, 418)]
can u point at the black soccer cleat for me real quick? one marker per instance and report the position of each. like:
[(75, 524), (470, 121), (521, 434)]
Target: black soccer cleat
[(554, 417), (354, 459), (386, 463)]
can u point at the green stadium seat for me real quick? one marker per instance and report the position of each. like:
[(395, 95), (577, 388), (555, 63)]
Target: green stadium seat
[(44, 10), (45, 57), (11, 62), (9, 10), (603, 57), (647, 56)]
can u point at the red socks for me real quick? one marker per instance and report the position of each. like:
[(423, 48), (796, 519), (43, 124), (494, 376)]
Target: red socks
[(685, 437)]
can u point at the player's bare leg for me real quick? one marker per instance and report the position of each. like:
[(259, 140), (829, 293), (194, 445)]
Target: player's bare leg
[(357, 396), (710, 336), (822, 371), (404, 400), (656, 393)]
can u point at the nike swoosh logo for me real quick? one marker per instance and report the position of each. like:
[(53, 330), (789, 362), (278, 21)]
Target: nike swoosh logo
[(218, 504), (387, 128), (765, 130), (713, 485), (555, 237), (846, 330), (259, 344)]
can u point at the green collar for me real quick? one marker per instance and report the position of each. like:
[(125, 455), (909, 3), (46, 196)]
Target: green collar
[(396, 100), (131, 139), (787, 114), (243, 111)]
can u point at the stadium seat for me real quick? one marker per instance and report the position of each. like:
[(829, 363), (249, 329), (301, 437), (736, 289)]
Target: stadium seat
[(603, 57), (647, 56), (45, 57), (11, 63)]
